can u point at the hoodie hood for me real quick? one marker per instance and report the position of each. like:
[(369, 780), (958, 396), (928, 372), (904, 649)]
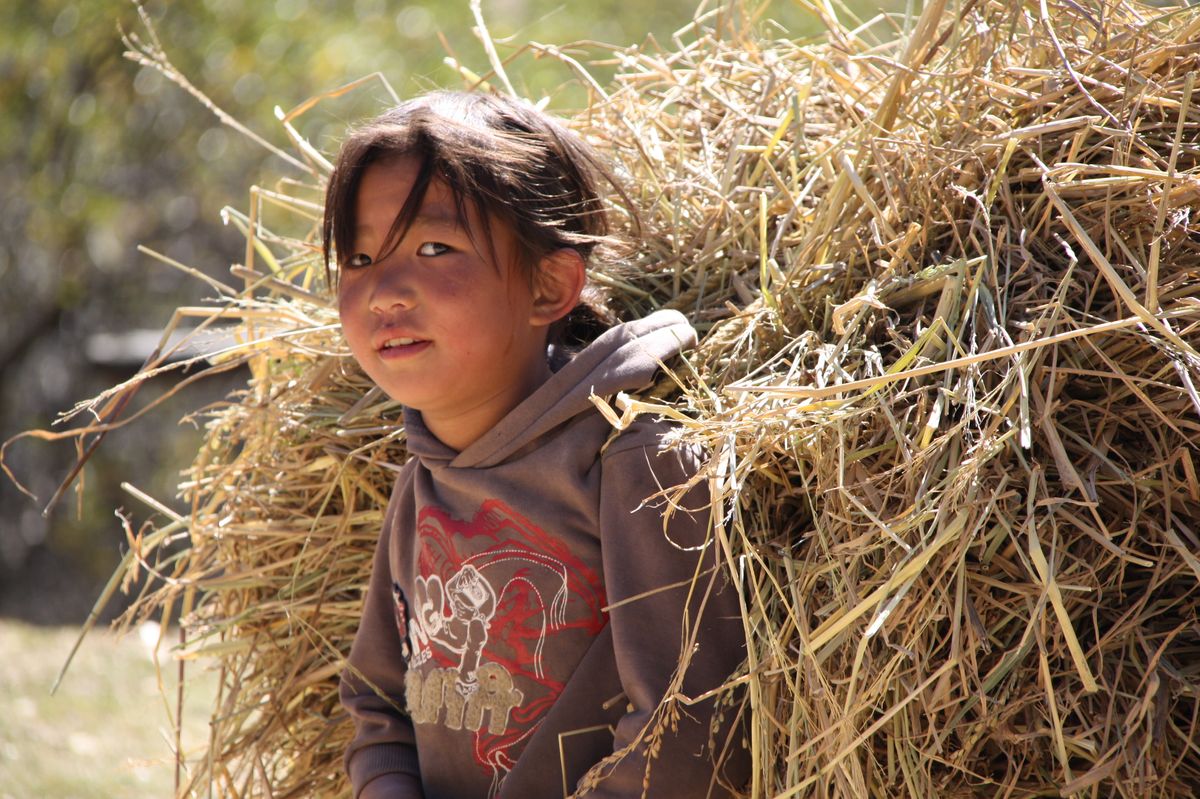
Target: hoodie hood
[(624, 358)]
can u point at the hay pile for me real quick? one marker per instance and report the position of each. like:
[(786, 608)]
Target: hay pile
[(948, 279)]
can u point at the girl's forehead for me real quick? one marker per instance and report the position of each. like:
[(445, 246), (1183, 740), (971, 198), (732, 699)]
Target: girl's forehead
[(388, 180), (385, 188)]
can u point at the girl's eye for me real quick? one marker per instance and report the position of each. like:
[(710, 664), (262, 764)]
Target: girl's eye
[(358, 260), (432, 248)]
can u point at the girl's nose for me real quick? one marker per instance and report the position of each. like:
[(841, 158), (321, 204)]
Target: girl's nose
[(392, 288)]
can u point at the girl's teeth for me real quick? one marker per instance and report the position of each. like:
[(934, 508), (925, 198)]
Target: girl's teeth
[(399, 342)]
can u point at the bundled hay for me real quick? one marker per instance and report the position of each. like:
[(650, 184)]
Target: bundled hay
[(949, 283)]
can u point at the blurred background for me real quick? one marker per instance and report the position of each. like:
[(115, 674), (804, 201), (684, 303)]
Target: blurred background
[(99, 155)]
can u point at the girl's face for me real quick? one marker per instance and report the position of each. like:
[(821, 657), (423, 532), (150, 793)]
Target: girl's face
[(442, 322)]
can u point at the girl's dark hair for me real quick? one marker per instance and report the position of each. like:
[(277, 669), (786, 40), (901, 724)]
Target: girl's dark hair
[(512, 162)]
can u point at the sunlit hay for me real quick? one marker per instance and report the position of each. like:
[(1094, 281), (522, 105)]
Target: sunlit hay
[(948, 280)]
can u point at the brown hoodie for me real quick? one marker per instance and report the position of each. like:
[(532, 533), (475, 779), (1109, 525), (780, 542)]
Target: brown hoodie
[(526, 609)]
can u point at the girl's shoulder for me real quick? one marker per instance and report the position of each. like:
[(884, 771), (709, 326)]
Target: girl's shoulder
[(654, 440)]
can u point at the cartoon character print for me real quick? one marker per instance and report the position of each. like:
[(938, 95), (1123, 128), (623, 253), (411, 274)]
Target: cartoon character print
[(457, 617), (489, 594)]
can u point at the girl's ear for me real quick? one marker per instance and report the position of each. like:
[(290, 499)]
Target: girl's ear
[(557, 285)]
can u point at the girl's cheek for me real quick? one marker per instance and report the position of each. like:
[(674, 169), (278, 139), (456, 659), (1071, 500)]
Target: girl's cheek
[(347, 295), (353, 327)]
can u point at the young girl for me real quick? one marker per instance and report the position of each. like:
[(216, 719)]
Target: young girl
[(528, 605)]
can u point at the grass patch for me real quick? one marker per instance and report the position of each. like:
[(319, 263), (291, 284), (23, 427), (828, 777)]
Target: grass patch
[(106, 732)]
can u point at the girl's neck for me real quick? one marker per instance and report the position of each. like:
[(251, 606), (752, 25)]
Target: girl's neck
[(462, 429)]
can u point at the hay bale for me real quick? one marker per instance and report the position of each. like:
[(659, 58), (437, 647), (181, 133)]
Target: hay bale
[(948, 281)]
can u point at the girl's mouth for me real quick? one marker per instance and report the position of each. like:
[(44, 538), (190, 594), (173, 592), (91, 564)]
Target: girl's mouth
[(402, 345)]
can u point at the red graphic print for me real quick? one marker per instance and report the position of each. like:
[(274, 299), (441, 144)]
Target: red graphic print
[(492, 594)]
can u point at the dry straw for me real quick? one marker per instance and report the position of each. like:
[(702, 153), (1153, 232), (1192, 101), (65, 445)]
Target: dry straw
[(948, 276)]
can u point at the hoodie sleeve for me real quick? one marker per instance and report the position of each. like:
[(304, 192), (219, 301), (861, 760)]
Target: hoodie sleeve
[(383, 749), (649, 567)]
